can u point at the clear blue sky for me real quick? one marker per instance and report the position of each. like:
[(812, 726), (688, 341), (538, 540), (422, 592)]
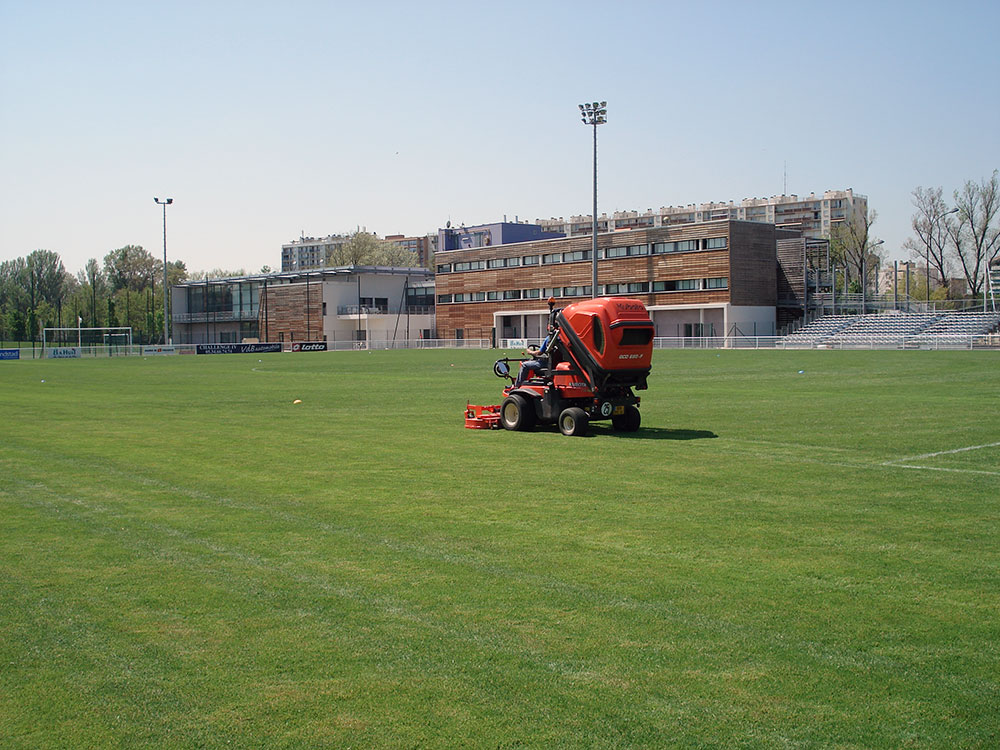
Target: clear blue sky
[(266, 119)]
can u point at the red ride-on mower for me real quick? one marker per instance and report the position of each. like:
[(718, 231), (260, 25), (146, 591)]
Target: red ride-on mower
[(598, 352)]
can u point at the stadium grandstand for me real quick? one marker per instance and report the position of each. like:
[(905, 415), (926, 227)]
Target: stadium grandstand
[(932, 329)]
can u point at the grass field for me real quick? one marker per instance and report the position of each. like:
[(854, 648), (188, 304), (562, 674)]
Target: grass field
[(776, 559)]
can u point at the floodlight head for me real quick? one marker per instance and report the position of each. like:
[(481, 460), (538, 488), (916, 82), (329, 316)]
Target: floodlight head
[(169, 201), (156, 200)]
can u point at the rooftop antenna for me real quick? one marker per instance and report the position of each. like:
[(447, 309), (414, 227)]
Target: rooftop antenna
[(784, 184)]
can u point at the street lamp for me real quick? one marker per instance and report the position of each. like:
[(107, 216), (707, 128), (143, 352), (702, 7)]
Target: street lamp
[(164, 203), (595, 114), (864, 275)]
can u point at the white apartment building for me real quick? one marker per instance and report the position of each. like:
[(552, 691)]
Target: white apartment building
[(309, 252), (813, 214)]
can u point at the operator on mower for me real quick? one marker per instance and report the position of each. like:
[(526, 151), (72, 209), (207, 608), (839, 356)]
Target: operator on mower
[(537, 362)]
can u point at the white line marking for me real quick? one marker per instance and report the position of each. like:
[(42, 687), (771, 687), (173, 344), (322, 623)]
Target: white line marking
[(898, 463), (943, 453), (940, 468)]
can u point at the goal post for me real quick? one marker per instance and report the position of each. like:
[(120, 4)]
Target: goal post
[(106, 339)]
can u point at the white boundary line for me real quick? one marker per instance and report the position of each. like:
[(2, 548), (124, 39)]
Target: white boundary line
[(898, 463)]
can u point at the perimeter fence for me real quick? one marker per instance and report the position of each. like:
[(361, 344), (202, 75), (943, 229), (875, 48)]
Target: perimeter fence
[(916, 342)]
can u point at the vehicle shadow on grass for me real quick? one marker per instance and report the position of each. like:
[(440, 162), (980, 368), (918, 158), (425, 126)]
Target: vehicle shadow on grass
[(653, 433)]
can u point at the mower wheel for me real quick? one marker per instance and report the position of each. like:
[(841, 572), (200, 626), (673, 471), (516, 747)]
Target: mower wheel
[(516, 413), (627, 422), (574, 422)]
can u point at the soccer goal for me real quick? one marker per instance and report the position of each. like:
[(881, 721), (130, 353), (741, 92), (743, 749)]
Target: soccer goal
[(108, 341)]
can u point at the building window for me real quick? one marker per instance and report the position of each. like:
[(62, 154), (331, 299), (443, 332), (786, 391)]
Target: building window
[(616, 252), (576, 291), (478, 296), (610, 289), (492, 295), (638, 250), (469, 265), (496, 263), (681, 246), (529, 260), (512, 262), (680, 285), (459, 298), (512, 294), (576, 255), (532, 293), (552, 258), (715, 243), (444, 268), (718, 283), (443, 298), (639, 286)]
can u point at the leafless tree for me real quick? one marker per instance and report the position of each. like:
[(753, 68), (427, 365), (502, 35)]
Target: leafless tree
[(930, 227), (975, 236)]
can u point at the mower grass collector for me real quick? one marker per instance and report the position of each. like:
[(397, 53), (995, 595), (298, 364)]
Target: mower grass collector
[(598, 351)]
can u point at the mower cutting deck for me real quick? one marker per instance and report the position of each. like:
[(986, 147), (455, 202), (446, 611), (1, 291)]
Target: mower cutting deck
[(599, 351)]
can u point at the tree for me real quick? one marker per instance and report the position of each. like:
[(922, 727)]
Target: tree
[(130, 267), (92, 280), (364, 249), (975, 238), (930, 226), (14, 284), (852, 243), (176, 272), (46, 275), (13, 298)]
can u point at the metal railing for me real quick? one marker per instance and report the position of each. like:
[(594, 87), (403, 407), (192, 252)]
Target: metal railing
[(222, 316), (384, 310)]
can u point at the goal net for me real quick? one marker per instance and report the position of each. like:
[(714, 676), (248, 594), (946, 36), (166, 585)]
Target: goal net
[(109, 340)]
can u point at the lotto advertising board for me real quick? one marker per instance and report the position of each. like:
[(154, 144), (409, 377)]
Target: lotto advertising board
[(309, 346)]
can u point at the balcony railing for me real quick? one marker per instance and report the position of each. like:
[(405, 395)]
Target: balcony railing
[(381, 310), (221, 316)]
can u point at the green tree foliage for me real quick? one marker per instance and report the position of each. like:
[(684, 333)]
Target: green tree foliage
[(853, 244), (130, 267), (176, 272), (364, 249), (46, 275)]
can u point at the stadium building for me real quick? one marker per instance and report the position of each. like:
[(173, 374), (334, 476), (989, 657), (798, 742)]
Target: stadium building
[(351, 303), (705, 279)]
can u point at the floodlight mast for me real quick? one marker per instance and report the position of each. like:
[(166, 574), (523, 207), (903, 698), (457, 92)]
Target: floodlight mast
[(594, 113), (165, 202)]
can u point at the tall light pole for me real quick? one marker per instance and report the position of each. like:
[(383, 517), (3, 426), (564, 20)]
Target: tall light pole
[(595, 114), (166, 290), (864, 275)]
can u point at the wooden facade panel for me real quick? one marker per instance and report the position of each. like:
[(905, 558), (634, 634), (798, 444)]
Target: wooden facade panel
[(287, 314)]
